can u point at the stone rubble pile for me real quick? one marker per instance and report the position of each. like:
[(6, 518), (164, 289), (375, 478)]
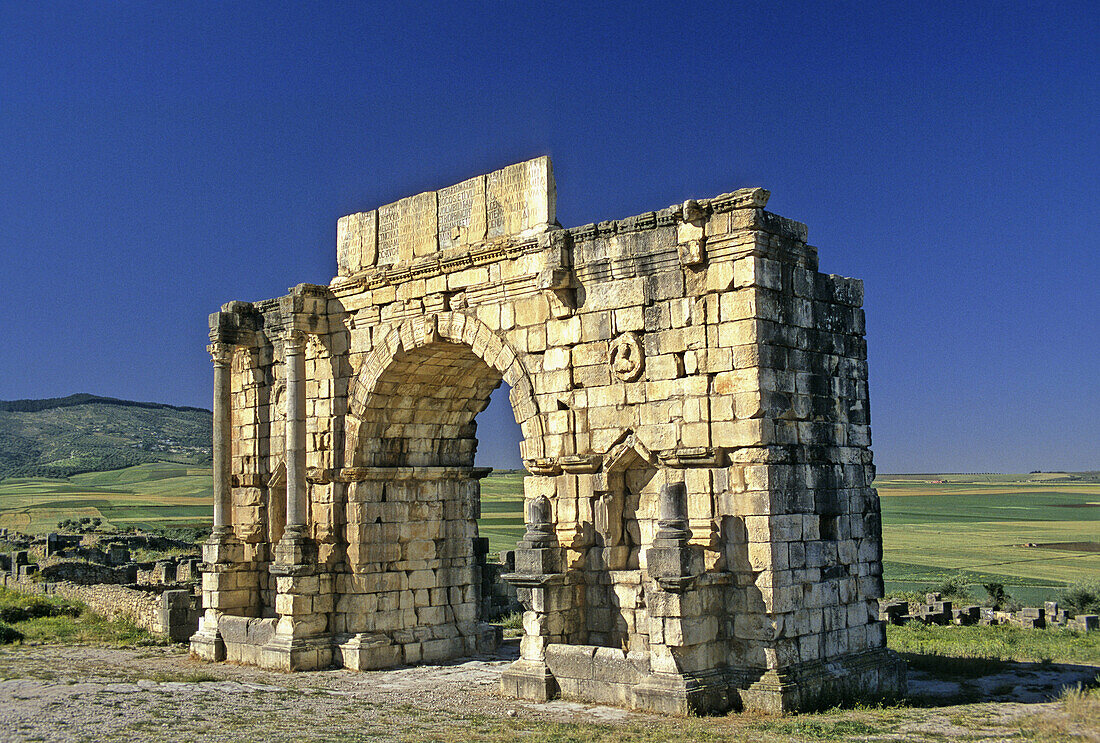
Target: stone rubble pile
[(936, 610)]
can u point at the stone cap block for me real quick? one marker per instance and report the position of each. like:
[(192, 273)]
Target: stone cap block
[(516, 201)]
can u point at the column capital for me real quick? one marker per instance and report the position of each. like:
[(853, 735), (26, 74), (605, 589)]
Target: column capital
[(294, 341), (221, 353)]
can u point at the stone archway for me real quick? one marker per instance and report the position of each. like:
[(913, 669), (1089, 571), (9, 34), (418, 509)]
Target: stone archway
[(692, 394)]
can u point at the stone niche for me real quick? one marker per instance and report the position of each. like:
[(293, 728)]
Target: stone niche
[(702, 533)]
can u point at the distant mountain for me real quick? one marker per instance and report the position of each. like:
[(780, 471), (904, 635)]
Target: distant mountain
[(63, 436)]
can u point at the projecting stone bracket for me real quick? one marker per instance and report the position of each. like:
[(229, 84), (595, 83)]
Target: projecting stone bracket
[(581, 464), (547, 466), (556, 279), (693, 457)]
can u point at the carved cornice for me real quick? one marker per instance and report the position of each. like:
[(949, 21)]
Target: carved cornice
[(482, 254), (745, 198)]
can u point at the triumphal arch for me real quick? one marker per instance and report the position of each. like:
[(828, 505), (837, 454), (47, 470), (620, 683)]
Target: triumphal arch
[(701, 531)]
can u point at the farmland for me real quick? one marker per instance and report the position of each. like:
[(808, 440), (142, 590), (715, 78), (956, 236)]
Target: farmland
[(980, 526), (148, 495), (977, 525)]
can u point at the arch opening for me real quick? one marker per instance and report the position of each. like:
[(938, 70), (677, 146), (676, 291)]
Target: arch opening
[(415, 563), (421, 411)]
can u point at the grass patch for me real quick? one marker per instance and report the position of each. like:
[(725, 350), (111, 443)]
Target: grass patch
[(1079, 718), (513, 621), (191, 677), (815, 728), (996, 643), (52, 619)]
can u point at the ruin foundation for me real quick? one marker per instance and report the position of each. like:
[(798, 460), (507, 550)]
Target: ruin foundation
[(701, 529)]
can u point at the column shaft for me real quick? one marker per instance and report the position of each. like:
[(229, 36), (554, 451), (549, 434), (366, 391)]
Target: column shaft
[(295, 430), (222, 355)]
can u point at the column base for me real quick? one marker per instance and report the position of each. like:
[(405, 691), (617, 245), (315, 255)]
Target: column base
[(222, 547), (528, 679), (207, 643), (297, 654), (874, 674), (295, 553)]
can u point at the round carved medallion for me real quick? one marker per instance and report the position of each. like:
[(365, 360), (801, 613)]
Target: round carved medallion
[(627, 358)]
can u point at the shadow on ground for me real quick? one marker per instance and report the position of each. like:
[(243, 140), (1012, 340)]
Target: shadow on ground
[(943, 680)]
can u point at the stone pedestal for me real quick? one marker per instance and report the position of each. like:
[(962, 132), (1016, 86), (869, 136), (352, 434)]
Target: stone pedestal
[(226, 589), (873, 675), (678, 694), (304, 603), (529, 679)]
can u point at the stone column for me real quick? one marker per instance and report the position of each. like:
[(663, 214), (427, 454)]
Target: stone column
[(223, 554), (294, 548), (222, 355), (303, 601), (294, 349)]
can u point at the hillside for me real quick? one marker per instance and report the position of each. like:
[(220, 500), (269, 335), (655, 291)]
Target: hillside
[(58, 437)]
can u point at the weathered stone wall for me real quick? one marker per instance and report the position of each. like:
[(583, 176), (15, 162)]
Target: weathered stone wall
[(691, 359), (87, 573), (171, 613)]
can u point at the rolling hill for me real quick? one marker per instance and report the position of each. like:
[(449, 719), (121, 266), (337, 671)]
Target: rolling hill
[(58, 437)]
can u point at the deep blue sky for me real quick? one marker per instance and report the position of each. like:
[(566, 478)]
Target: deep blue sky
[(159, 159)]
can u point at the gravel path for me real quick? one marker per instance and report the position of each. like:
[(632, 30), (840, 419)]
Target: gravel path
[(74, 693), (82, 693)]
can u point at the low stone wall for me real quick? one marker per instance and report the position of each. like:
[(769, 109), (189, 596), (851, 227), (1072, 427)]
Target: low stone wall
[(935, 610), (172, 613), (84, 573), (597, 674)]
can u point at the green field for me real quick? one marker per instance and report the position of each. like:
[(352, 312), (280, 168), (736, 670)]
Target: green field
[(160, 494), (977, 525), (501, 511)]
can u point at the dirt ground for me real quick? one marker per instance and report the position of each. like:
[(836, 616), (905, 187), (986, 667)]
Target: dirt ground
[(78, 693)]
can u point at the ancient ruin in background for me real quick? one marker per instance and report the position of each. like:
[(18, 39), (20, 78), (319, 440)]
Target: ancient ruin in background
[(701, 529)]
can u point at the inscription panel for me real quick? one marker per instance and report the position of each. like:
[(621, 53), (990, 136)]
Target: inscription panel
[(509, 201), (388, 217), (519, 197), (357, 242), (416, 229), (461, 210)]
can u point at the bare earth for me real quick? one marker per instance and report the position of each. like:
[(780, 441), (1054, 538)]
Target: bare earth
[(76, 693)]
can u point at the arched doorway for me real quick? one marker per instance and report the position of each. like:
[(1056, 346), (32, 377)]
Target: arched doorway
[(412, 584)]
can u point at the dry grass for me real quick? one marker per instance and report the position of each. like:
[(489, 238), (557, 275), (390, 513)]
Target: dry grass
[(1077, 719)]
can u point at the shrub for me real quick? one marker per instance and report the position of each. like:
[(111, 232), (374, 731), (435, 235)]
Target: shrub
[(909, 597), (997, 594), (513, 621), (9, 635), (1081, 598), (20, 607), (954, 589), (13, 614)]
